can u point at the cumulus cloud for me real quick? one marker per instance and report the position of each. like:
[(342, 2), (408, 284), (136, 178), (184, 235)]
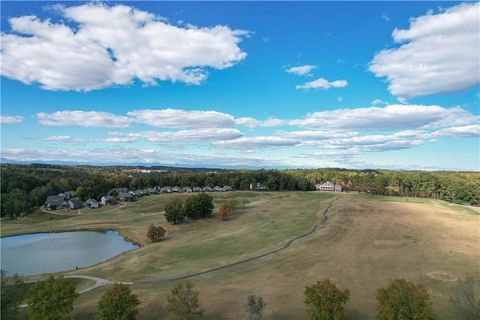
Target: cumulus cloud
[(390, 117), (87, 119), (301, 70), (439, 53), (322, 83), (254, 123), (257, 142), (99, 46), (461, 131), (183, 135), (10, 119), (176, 118)]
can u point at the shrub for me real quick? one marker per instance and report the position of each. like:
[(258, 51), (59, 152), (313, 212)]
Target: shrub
[(184, 303), (12, 294), (224, 211), (325, 301), (51, 299), (174, 211), (254, 307), (403, 300), (156, 233), (118, 303)]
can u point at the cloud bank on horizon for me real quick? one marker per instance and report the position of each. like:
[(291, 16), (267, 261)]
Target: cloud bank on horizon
[(96, 46)]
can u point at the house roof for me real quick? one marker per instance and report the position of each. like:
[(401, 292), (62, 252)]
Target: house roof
[(92, 201), (75, 201), (55, 200)]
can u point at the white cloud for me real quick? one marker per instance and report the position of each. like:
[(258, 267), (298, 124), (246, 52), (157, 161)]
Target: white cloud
[(175, 118), (87, 119), (385, 17), (103, 45), (183, 135), (257, 142), (461, 131), (10, 119), (439, 54), (317, 134), (254, 123), (378, 102), (322, 83), (301, 70), (390, 117)]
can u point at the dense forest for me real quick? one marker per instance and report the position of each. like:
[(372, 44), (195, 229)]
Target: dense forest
[(24, 188)]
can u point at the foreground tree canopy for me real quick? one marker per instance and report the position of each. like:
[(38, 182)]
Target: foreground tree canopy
[(25, 187), (118, 303), (183, 302), (404, 300), (51, 299), (325, 301)]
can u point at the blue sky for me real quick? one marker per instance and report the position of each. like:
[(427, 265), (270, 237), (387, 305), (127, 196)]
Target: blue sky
[(219, 84)]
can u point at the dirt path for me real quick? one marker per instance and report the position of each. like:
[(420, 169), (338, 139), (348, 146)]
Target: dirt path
[(102, 282)]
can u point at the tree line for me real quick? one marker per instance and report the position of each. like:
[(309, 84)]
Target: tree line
[(400, 300), (24, 188)]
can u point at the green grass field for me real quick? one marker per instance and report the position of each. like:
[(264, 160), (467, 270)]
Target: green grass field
[(365, 243)]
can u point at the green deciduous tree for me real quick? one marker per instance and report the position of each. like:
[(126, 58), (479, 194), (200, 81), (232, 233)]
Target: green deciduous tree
[(404, 300), (254, 307), (174, 211), (51, 299), (199, 206), (11, 295), (466, 301), (118, 303), (184, 303), (156, 233), (325, 301)]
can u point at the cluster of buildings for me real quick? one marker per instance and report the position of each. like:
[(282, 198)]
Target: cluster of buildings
[(329, 187), (68, 200)]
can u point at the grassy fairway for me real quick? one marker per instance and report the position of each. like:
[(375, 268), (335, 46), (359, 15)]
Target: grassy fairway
[(365, 244)]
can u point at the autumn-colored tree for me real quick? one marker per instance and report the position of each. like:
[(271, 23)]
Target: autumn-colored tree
[(404, 300), (118, 303), (156, 233), (325, 301), (184, 303), (224, 211), (51, 299)]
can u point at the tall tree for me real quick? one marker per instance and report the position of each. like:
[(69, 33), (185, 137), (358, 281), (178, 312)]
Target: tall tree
[(51, 299), (118, 303), (404, 300), (174, 211), (184, 303), (325, 301)]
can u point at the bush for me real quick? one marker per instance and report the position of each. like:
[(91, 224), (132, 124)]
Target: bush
[(52, 299), (118, 303), (12, 294), (465, 300), (403, 300), (254, 307), (224, 211), (199, 206), (156, 233), (183, 302), (174, 211), (325, 301)]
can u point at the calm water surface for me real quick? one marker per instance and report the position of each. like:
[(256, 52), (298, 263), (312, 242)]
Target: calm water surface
[(53, 252)]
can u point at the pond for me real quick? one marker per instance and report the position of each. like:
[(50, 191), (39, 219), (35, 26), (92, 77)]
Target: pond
[(53, 252)]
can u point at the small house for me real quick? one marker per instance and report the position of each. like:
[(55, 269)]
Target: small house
[(92, 204), (74, 203), (126, 196), (207, 189), (152, 190), (165, 190), (106, 200), (55, 203), (176, 189), (217, 189), (258, 186), (187, 189), (227, 188), (328, 187), (117, 191), (69, 195), (197, 189)]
